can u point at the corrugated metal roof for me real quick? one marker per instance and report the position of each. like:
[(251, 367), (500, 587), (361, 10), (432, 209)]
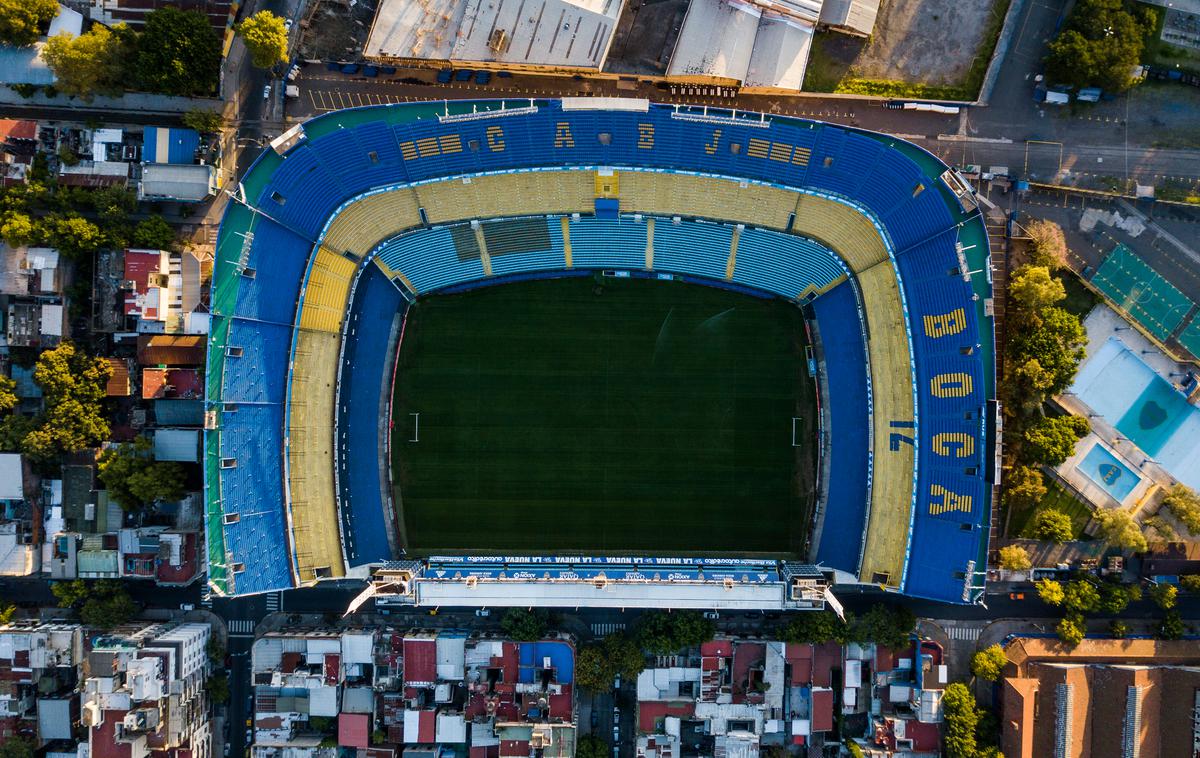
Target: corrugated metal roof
[(177, 445), (186, 183), (172, 412), (163, 145), (858, 15)]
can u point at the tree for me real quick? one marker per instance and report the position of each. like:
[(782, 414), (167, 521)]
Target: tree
[(1070, 630), (1184, 504), (204, 121), (215, 651), (1054, 526), (73, 386), (105, 611), (91, 64), (1054, 337), (1015, 558), (1164, 595), (8, 394), (218, 688), (16, 746), (1171, 627), (134, 479), (1120, 530), (266, 38), (1033, 289), (960, 719), (1051, 440), (1114, 598), (989, 663), (597, 665), (1162, 531), (18, 229), (662, 633), (13, 430), (591, 746), (70, 594), (1051, 592), (814, 628), (525, 625), (1024, 487), (1099, 45), (73, 235), (889, 626), (22, 21), (1081, 596), (178, 53), (1048, 244), (1118, 629), (154, 233), (1190, 583), (113, 204), (7, 611)]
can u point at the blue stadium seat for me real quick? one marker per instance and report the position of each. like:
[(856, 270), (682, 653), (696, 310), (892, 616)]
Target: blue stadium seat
[(845, 517), (366, 381), (605, 243), (784, 263), (429, 260), (697, 248), (278, 258), (259, 374), (539, 242)]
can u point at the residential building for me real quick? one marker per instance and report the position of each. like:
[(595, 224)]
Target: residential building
[(162, 292), (39, 679), (1134, 697)]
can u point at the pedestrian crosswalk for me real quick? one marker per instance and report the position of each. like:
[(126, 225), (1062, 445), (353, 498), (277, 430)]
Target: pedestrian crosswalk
[(273, 602), (964, 633), (603, 630), (241, 628)]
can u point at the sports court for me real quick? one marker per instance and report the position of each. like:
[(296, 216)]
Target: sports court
[(604, 415), (1141, 291)]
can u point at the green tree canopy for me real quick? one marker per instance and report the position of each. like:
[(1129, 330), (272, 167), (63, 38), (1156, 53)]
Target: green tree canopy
[(1070, 630), (1120, 530), (989, 663), (113, 204), (18, 229), (1032, 288), (203, 120), (1053, 525), (1051, 592), (1051, 440), (266, 38), (107, 609), (1081, 596), (1184, 504), (23, 21), (7, 611), (73, 235), (134, 479), (154, 233), (1053, 337), (1171, 627), (178, 53), (1118, 629), (218, 688), (889, 626), (960, 718), (1114, 598), (1164, 595), (1190, 583), (73, 386), (1024, 487), (525, 625), (16, 746), (661, 632), (1100, 43), (814, 628), (1015, 558), (94, 63), (598, 664), (8, 394), (591, 746), (1048, 244)]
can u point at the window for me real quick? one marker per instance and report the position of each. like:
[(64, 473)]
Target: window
[(249, 272), (229, 463), (278, 197), (233, 351), (373, 156), (605, 138)]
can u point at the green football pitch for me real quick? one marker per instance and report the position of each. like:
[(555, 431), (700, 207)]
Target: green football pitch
[(603, 416)]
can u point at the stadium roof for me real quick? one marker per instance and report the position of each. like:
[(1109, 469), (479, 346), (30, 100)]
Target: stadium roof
[(531, 32), (734, 40)]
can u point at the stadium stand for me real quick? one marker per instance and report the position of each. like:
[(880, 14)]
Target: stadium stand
[(840, 326), (388, 184), (374, 315)]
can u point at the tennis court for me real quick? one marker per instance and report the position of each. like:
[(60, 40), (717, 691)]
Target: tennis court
[(604, 415), (1142, 292)]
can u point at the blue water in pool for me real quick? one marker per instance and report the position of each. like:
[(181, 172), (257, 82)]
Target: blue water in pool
[(1108, 472), (1144, 407)]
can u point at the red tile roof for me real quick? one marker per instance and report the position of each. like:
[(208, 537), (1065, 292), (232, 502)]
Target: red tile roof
[(353, 730), (188, 563), (171, 349), (650, 712), (925, 737), (420, 661), (139, 264), (333, 666), (427, 726), (13, 129), (825, 659), (118, 383), (104, 737), (722, 648), (822, 710), (181, 383), (514, 748)]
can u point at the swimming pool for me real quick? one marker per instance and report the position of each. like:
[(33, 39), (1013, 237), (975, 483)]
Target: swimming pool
[(1144, 407), (1108, 472)]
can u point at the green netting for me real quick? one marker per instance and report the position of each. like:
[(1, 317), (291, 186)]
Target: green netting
[(1132, 285), (260, 175), (218, 575)]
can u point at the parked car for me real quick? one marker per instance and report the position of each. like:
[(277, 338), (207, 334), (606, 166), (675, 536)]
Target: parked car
[(266, 91), (483, 612), (712, 615), (287, 25)]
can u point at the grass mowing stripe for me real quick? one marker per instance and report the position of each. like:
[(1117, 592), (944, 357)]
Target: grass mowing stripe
[(604, 416)]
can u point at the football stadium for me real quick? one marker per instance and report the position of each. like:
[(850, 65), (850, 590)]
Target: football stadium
[(598, 351)]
